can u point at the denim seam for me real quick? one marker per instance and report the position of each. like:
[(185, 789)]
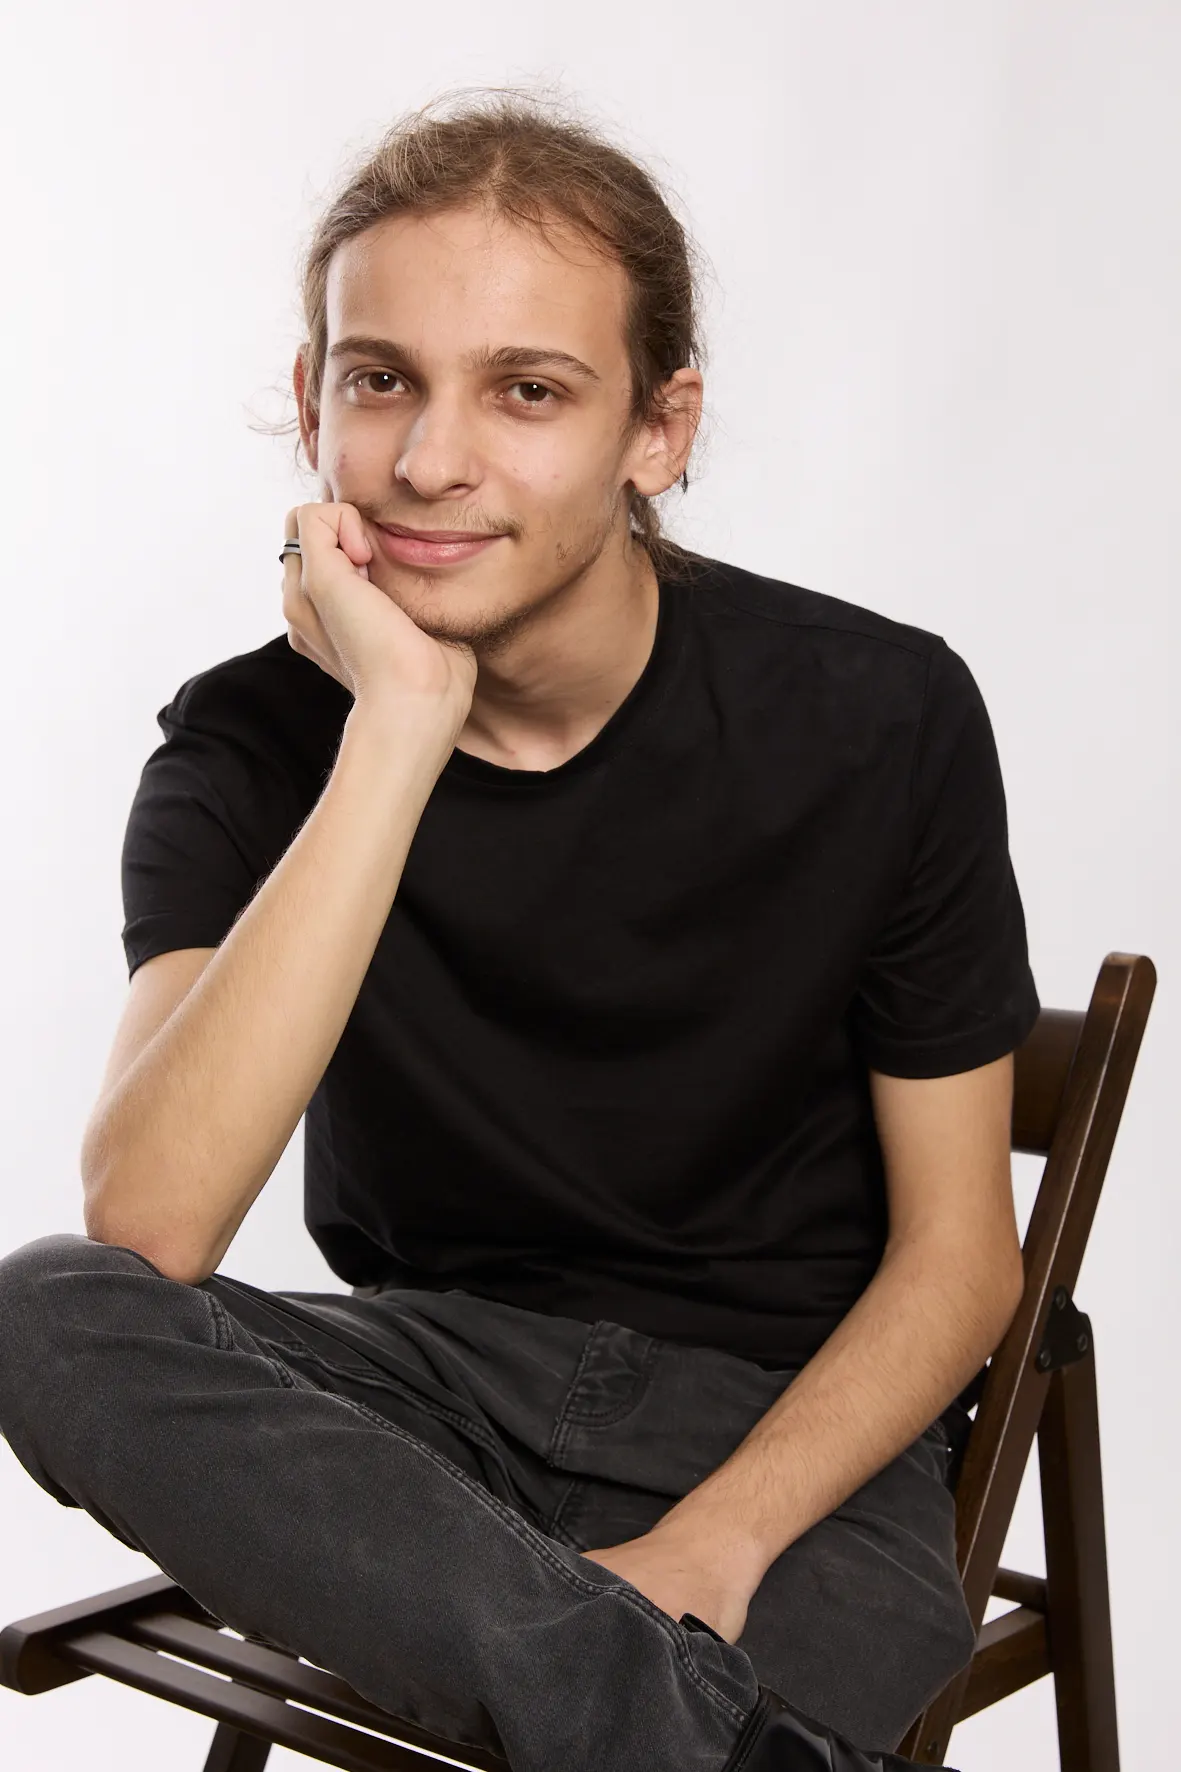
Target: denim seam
[(571, 1416), (223, 1334), (750, 1735), (462, 1423), (557, 1526), (539, 1545), (557, 1445), (223, 1331), (610, 1417)]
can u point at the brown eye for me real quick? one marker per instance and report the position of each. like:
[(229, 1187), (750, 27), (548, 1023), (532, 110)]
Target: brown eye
[(389, 380), (535, 392)]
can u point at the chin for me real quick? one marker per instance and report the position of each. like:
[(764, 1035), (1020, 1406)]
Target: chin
[(447, 608)]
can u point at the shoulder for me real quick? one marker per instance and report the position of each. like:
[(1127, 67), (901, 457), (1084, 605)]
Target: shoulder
[(269, 700), (272, 682), (770, 603), (828, 640)]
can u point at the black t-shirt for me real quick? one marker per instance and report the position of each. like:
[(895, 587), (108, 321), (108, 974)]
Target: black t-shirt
[(610, 1058)]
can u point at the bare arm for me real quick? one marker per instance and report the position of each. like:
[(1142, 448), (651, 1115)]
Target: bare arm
[(179, 1147), (940, 1302), (219, 1054)]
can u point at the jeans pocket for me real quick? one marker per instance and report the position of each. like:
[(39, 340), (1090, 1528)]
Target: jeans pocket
[(609, 1383), (654, 1414)]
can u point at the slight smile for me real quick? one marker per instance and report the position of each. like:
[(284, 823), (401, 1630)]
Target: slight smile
[(430, 547)]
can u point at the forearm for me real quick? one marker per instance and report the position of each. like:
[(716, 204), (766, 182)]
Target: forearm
[(181, 1145), (920, 1331)]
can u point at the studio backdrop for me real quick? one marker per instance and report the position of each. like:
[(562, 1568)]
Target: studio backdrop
[(944, 381)]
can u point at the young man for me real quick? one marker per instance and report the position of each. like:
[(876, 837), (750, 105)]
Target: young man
[(640, 938)]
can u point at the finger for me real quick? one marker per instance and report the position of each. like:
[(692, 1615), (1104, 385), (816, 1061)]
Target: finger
[(318, 527), (292, 563), (353, 538), (328, 526), (293, 593), (300, 612)]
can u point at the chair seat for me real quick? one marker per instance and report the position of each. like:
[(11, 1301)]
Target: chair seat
[(154, 1636)]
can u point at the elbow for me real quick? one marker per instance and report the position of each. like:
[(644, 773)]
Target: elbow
[(173, 1256), (170, 1261)]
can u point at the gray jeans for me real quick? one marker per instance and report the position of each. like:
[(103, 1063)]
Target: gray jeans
[(398, 1487)]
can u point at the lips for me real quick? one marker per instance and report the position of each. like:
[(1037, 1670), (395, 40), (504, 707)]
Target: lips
[(431, 547)]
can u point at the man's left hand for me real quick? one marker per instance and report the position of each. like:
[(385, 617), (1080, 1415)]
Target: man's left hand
[(684, 1571)]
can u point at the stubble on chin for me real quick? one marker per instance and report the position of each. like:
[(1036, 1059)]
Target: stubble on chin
[(423, 597), (487, 635)]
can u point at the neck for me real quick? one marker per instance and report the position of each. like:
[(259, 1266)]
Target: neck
[(545, 696)]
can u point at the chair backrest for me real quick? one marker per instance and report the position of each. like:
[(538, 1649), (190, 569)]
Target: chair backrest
[(1071, 1080)]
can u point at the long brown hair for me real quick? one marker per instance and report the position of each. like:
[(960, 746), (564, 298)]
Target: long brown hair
[(532, 163)]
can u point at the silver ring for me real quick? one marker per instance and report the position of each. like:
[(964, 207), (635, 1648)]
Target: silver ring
[(289, 547)]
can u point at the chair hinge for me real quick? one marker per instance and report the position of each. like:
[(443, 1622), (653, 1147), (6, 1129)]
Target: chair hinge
[(1068, 1334)]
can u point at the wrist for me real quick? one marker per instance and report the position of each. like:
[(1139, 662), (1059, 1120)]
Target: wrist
[(705, 1529), (403, 731)]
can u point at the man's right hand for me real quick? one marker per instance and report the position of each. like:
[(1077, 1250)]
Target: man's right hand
[(349, 627)]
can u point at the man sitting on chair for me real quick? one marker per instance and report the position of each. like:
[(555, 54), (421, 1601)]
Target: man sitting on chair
[(638, 936)]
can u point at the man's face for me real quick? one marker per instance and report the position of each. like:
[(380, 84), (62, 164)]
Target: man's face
[(498, 406)]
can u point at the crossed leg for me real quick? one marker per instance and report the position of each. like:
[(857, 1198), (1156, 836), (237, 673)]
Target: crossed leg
[(310, 1518)]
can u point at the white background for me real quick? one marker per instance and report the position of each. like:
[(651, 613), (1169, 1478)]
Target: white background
[(944, 383)]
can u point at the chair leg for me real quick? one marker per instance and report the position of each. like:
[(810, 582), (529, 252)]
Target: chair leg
[(235, 1751), (1078, 1606)]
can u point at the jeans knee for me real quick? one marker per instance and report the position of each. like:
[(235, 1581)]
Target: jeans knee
[(37, 1270), (63, 1301), (48, 1293)]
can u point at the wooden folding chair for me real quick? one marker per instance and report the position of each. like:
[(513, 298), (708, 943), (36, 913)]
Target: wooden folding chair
[(1072, 1078)]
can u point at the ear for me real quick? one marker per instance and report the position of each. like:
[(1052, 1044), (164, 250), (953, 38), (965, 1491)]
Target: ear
[(309, 418), (658, 456)]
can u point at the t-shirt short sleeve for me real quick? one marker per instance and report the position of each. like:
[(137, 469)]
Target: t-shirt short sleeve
[(210, 818), (947, 986)]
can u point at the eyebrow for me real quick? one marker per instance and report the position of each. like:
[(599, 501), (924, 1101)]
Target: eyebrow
[(520, 357)]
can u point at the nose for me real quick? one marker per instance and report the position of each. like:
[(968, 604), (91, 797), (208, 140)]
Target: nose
[(437, 457)]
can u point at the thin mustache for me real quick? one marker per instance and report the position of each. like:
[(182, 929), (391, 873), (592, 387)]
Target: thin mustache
[(466, 533)]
